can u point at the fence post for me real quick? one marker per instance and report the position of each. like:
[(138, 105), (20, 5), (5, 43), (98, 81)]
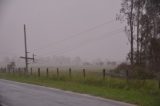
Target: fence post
[(104, 74), (39, 73), (31, 72), (127, 76), (19, 71), (159, 83), (13, 71), (1, 70), (9, 71), (70, 72), (24, 71), (159, 80), (57, 72), (5, 69), (47, 72), (84, 73)]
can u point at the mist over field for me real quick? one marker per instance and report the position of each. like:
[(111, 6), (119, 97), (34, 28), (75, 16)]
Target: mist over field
[(63, 30)]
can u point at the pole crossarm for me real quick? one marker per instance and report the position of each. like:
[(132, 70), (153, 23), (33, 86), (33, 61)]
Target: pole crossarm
[(29, 58)]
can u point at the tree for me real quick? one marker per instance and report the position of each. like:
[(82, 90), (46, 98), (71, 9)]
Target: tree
[(143, 28), (127, 10), (11, 66)]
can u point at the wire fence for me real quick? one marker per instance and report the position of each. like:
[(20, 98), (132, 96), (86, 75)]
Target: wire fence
[(101, 77)]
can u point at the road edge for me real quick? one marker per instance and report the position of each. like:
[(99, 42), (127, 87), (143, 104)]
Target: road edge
[(70, 92)]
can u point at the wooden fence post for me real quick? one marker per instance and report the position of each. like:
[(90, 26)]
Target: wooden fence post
[(57, 72), (127, 76), (104, 74), (70, 73), (9, 71), (159, 80), (31, 72), (159, 83), (39, 73), (24, 71), (1, 70), (19, 71), (47, 73), (5, 70), (84, 73), (13, 71)]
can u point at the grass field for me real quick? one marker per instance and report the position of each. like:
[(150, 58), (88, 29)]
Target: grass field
[(142, 93)]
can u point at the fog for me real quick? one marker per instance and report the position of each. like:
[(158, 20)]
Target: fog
[(62, 28)]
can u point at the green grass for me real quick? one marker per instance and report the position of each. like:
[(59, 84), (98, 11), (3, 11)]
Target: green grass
[(135, 91)]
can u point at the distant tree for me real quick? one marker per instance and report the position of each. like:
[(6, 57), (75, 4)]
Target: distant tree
[(87, 63), (11, 66)]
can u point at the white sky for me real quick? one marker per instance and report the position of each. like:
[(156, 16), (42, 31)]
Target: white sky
[(84, 28)]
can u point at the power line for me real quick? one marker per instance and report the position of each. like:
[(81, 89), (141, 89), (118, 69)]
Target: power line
[(82, 45), (117, 31), (76, 35), (68, 38)]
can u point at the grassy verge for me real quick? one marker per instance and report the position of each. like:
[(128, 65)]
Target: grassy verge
[(113, 88)]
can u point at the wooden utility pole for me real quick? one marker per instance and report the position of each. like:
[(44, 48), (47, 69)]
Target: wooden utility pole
[(26, 51)]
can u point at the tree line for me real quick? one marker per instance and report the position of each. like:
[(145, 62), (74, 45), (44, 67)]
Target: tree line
[(142, 19)]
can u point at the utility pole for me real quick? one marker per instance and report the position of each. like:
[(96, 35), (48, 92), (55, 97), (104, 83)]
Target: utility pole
[(26, 51)]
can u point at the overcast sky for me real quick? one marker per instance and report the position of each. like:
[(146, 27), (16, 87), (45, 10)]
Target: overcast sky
[(84, 28)]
